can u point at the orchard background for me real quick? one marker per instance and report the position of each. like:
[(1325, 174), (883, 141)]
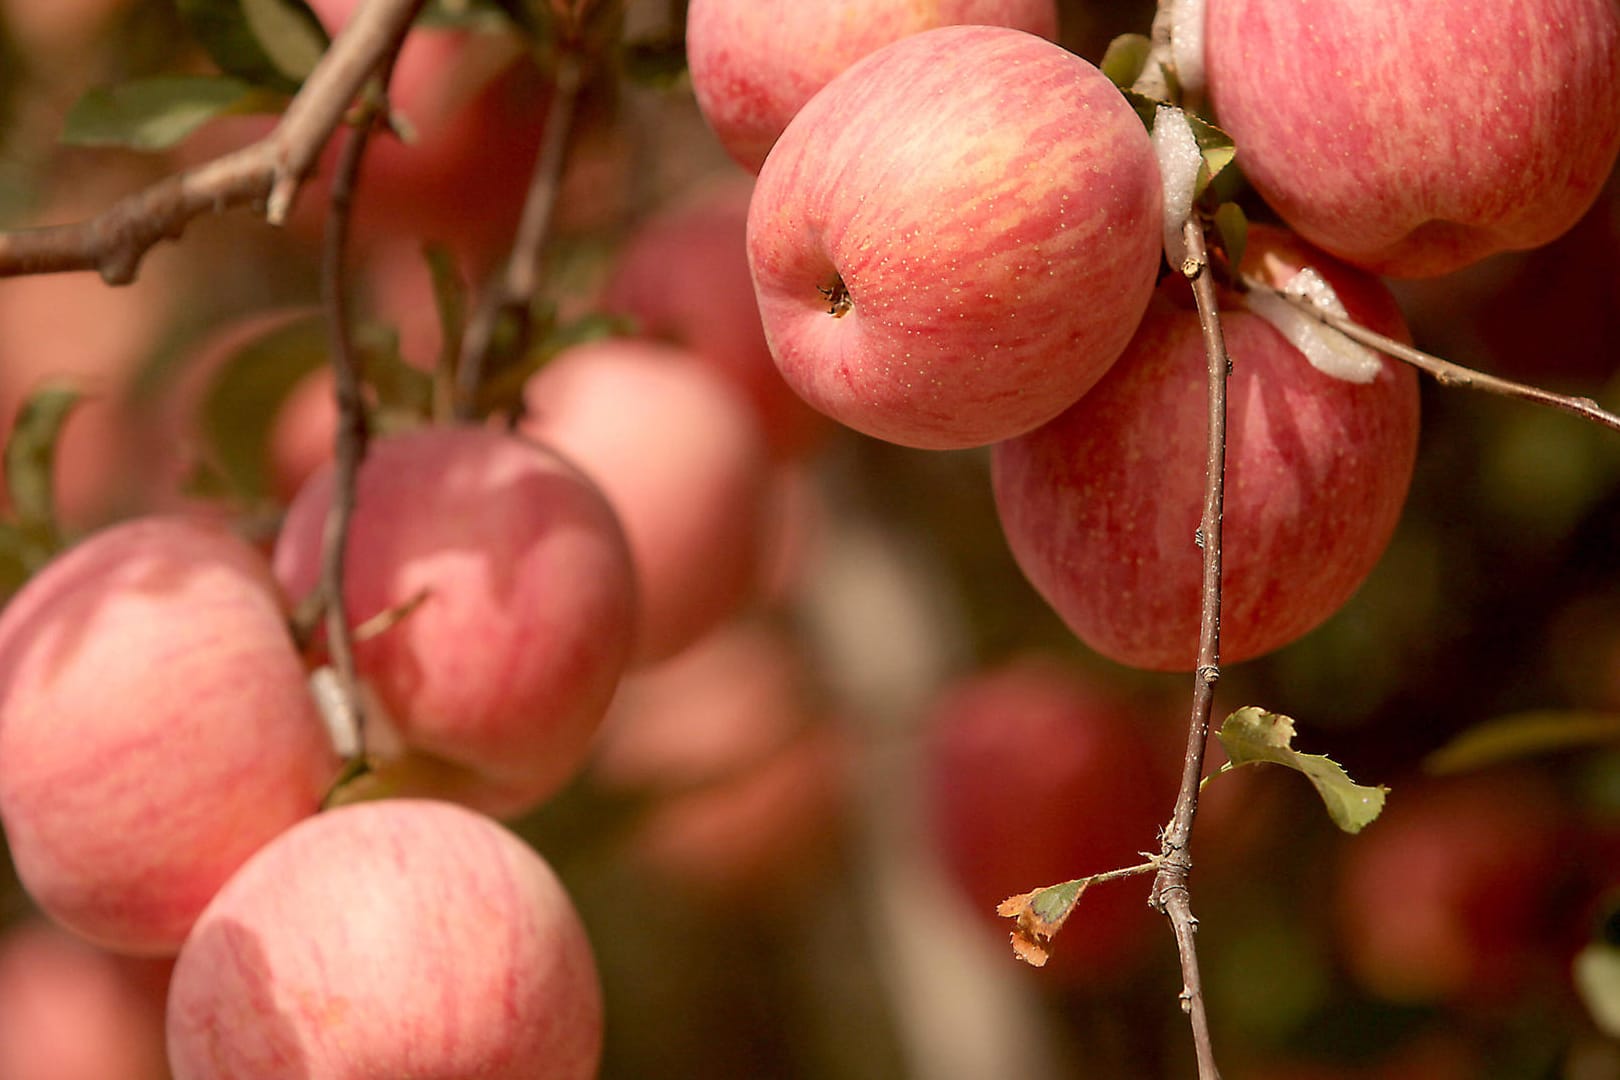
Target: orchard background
[(787, 844)]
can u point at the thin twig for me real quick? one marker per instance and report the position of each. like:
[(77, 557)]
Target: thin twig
[(271, 169), (352, 429), (1444, 372), (1170, 889), (508, 298)]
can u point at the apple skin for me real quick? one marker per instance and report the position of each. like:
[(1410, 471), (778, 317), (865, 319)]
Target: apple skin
[(681, 458), (492, 688), (1417, 136), (395, 938), (992, 206), (1100, 506), (754, 63), (155, 728), (1037, 774), (70, 1011), (683, 276), (1450, 894)]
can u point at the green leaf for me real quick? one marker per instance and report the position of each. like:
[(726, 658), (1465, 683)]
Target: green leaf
[(1233, 226), (30, 455), (1215, 145), (1253, 735), (245, 396), (268, 43), (402, 390), (157, 113), (17, 560), (1125, 58), (479, 16), (450, 302), (1039, 915), (1526, 734)]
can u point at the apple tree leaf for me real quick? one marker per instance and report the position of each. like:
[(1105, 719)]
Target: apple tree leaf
[(1253, 735), (158, 112), (1214, 145), (1233, 226), (243, 399), (30, 469), (1125, 58), (268, 43), (1038, 916), (655, 62), (1526, 734)]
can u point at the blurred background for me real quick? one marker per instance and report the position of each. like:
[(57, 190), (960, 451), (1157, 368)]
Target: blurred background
[(790, 843)]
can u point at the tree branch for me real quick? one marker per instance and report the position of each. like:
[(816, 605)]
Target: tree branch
[(1170, 887), (272, 169), (1444, 372), (510, 296)]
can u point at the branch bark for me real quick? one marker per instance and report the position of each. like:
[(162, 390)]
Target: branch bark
[(1444, 372), (1171, 894), (510, 295), (270, 170)]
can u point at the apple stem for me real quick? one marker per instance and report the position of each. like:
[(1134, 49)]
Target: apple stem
[(506, 302), (272, 169), (352, 429), (1444, 372), (1170, 893)]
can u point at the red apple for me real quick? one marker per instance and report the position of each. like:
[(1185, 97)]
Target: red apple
[(755, 63), (490, 689), (684, 277), (395, 938), (1100, 507), (155, 728), (69, 1011), (1416, 136), (744, 774), (1447, 896), (955, 238), (678, 453), (1038, 775)]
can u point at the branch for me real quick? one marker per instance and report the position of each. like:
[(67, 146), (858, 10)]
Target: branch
[(272, 169), (510, 296), (1170, 891), (1444, 372)]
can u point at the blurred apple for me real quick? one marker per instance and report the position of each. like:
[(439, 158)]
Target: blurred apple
[(682, 460), (69, 1011)]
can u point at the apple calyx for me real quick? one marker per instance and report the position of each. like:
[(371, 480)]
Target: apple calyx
[(839, 302)]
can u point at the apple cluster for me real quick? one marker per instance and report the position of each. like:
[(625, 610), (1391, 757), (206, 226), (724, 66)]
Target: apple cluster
[(955, 238)]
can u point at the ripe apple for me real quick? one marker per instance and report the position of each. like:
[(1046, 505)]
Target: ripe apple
[(394, 938), (955, 238), (1417, 136), (755, 63), (744, 775), (490, 689), (1450, 894), (69, 1011), (1100, 507), (1037, 774), (679, 455), (155, 728), (684, 277)]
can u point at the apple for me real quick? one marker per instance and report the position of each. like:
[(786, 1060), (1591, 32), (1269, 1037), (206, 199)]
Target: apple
[(744, 775), (155, 728), (490, 689), (70, 1011), (1417, 136), (1449, 895), (955, 238), (1038, 774), (1100, 507), (680, 456), (683, 276), (754, 63), (395, 938)]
